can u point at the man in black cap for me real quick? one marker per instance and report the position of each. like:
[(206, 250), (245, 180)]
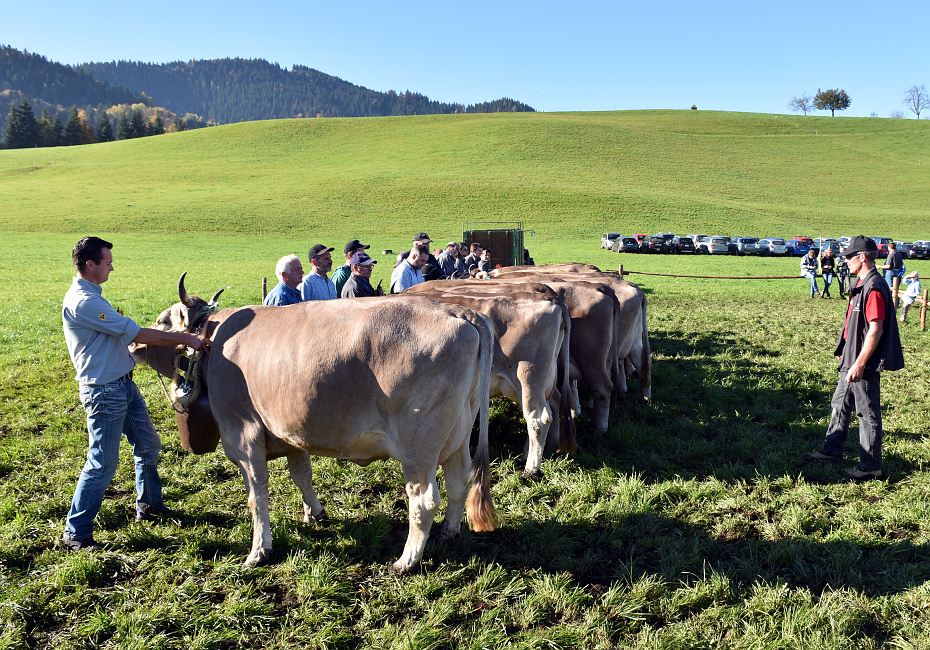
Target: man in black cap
[(868, 344), (342, 274), (316, 286), (358, 285), (420, 240)]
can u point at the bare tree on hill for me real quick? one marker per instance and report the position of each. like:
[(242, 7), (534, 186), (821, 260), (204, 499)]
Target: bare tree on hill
[(802, 103), (916, 99)]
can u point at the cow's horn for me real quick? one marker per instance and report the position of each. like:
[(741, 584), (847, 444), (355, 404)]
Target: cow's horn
[(216, 296), (182, 292)]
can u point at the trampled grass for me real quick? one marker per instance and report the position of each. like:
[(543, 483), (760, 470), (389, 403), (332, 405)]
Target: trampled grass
[(693, 523)]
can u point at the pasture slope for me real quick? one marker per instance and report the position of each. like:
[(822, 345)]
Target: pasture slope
[(692, 523)]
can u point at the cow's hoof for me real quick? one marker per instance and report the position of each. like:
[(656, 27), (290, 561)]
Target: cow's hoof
[(400, 569), (535, 475), (318, 518), (259, 557), (445, 535)]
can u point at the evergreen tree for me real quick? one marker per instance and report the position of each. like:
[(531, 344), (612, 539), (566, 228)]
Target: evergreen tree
[(155, 127), (123, 131), (137, 124), (21, 128), (104, 128), (57, 131), (48, 136), (74, 130), (180, 124)]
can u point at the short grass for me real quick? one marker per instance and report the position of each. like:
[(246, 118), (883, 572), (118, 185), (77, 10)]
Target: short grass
[(562, 174), (692, 523)]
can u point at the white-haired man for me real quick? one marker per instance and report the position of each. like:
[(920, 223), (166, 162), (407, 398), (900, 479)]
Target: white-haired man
[(290, 273), (912, 294)]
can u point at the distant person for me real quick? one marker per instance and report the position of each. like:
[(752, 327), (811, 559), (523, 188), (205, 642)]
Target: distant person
[(868, 344), (827, 269), (484, 264), (809, 270), (450, 263), (473, 258), (358, 284), (842, 275), (97, 338), (527, 260), (316, 285), (408, 273), (894, 265), (342, 274), (912, 294), (290, 272)]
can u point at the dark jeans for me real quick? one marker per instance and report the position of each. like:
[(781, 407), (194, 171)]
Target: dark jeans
[(864, 395)]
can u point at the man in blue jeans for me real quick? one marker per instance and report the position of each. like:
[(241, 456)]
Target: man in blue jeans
[(97, 337)]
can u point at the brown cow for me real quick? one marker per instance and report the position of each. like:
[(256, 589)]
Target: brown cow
[(532, 334), (361, 380)]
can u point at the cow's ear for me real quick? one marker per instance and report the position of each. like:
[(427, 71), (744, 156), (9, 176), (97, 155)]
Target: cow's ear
[(179, 317)]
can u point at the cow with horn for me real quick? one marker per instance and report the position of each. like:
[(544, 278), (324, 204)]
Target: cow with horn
[(278, 383)]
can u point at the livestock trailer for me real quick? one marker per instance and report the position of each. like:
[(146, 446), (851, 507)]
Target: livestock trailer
[(503, 238)]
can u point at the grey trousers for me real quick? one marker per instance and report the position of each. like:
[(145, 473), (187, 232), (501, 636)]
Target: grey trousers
[(864, 396)]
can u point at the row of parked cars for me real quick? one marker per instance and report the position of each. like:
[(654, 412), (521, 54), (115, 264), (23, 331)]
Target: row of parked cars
[(724, 245)]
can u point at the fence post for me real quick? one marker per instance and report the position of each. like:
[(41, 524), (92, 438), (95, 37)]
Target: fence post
[(621, 271), (923, 313), (264, 288)]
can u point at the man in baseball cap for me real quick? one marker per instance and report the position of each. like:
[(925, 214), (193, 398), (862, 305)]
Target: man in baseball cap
[(342, 274), (316, 286), (868, 344), (358, 285)]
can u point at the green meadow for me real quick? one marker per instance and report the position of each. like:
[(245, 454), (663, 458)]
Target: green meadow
[(693, 523)]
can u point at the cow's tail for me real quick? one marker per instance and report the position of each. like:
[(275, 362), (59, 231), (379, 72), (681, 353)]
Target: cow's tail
[(482, 515), (567, 431), (615, 369), (645, 373)]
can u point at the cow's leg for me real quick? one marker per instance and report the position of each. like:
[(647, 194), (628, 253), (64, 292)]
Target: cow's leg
[(538, 419), (301, 469), (555, 408), (456, 470), (253, 465), (600, 388), (423, 499)]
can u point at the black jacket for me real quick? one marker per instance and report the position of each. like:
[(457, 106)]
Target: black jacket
[(888, 355)]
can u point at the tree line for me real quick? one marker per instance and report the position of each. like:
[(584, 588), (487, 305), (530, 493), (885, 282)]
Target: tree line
[(87, 126), (916, 100)]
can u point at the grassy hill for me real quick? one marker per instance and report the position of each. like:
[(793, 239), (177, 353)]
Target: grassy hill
[(566, 175)]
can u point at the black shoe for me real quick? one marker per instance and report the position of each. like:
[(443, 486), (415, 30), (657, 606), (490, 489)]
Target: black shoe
[(155, 513), (860, 473), (819, 455), (79, 544)]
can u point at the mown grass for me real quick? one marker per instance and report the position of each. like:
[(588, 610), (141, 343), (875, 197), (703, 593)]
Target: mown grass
[(692, 523), (562, 174)]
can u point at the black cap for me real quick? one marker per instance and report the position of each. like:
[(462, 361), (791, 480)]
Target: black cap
[(318, 249), (422, 236), (353, 245), (859, 244)]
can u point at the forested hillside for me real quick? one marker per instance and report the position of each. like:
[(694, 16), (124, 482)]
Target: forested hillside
[(239, 90)]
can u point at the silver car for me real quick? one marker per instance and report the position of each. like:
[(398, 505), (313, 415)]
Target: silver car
[(772, 246)]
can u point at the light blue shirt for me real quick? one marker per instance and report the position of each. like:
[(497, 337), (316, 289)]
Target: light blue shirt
[(317, 287), (404, 276), (96, 335), (282, 295)]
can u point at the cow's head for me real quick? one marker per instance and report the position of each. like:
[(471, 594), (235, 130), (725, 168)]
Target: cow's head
[(185, 316)]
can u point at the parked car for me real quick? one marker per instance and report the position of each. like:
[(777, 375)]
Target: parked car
[(904, 247), (683, 245), (822, 243), (656, 244), (607, 239), (642, 240), (920, 250), (798, 246), (716, 245), (742, 246), (882, 243), (626, 245), (696, 239), (772, 246)]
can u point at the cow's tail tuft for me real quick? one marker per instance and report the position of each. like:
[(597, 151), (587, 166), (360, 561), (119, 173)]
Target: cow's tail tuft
[(480, 510), (567, 428), (645, 373)]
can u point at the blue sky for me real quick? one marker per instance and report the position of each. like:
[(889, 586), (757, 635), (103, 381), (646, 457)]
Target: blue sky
[(556, 56)]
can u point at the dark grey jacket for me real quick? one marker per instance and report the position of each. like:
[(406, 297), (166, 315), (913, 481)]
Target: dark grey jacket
[(889, 355)]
